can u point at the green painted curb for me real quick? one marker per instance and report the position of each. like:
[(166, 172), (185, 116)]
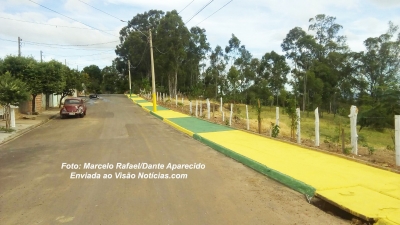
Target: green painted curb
[(157, 116), (276, 175), (159, 108)]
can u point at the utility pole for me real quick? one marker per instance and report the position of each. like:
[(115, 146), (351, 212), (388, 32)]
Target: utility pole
[(153, 81), (41, 59), (130, 88), (19, 46)]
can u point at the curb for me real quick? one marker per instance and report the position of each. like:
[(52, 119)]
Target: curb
[(26, 130)]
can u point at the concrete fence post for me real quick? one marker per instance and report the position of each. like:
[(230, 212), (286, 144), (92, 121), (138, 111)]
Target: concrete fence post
[(353, 129), (201, 108), (397, 138), (208, 108), (196, 108), (316, 127), (247, 118), (220, 107), (277, 116), (298, 126), (230, 118)]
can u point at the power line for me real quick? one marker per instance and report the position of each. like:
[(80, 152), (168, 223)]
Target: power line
[(51, 46), (141, 58), (160, 51), (215, 12), (45, 24), (186, 7), (71, 18), (81, 55), (103, 11), (46, 44), (197, 12)]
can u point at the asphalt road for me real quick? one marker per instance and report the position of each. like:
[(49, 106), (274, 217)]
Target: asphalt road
[(35, 189)]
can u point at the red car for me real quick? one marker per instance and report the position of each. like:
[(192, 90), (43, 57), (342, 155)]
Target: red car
[(73, 107)]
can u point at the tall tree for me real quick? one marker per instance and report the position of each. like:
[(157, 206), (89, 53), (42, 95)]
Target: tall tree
[(72, 83), (196, 52), (301, 49), (95, 76), (275, 70), (12, 92), (175, 40), (217, 66), (53, 78)]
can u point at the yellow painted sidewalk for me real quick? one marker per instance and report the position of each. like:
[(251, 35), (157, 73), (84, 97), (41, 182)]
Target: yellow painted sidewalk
[(366, 191)]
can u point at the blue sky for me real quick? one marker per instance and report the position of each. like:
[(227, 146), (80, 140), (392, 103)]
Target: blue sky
[(259, 25)]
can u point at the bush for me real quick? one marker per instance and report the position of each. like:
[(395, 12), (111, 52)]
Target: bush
[(275, 130)]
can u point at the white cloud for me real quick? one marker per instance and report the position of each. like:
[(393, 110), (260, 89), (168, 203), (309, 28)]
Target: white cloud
[(77, 7), (386, 3), (260, 25)]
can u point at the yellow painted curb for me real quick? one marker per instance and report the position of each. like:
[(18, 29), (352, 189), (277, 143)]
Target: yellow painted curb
[(168, 114), (178, 127), (148, 110), (146, 104)]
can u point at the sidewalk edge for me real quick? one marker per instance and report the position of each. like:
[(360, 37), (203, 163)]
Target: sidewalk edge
[(26, 130)]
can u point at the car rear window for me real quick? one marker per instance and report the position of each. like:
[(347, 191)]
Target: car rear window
[(72, 101)]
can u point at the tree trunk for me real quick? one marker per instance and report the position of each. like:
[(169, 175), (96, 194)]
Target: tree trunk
[(216, 87), (176, 82), (7, 116), (169, 85), (62, 97), (304, 91), (34, 103), (47, 101)]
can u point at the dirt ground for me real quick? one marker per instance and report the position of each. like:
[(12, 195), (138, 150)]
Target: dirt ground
[(382, 158)]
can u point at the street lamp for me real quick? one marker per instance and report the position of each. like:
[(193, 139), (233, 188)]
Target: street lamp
[(153, 82), (130, 83)]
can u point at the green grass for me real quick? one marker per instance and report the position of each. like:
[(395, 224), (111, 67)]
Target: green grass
[(328, 127)]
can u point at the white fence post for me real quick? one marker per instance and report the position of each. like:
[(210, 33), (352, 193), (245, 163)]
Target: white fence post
[(353, 129), (277, 116), (397, 138), (201, 108), (316, 127), (223, 116), (176, 100), (298, 126), (190, 105), (247, 117), (12, 115), (220, 107), (196, 108), (208, 108), (230, 118)]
